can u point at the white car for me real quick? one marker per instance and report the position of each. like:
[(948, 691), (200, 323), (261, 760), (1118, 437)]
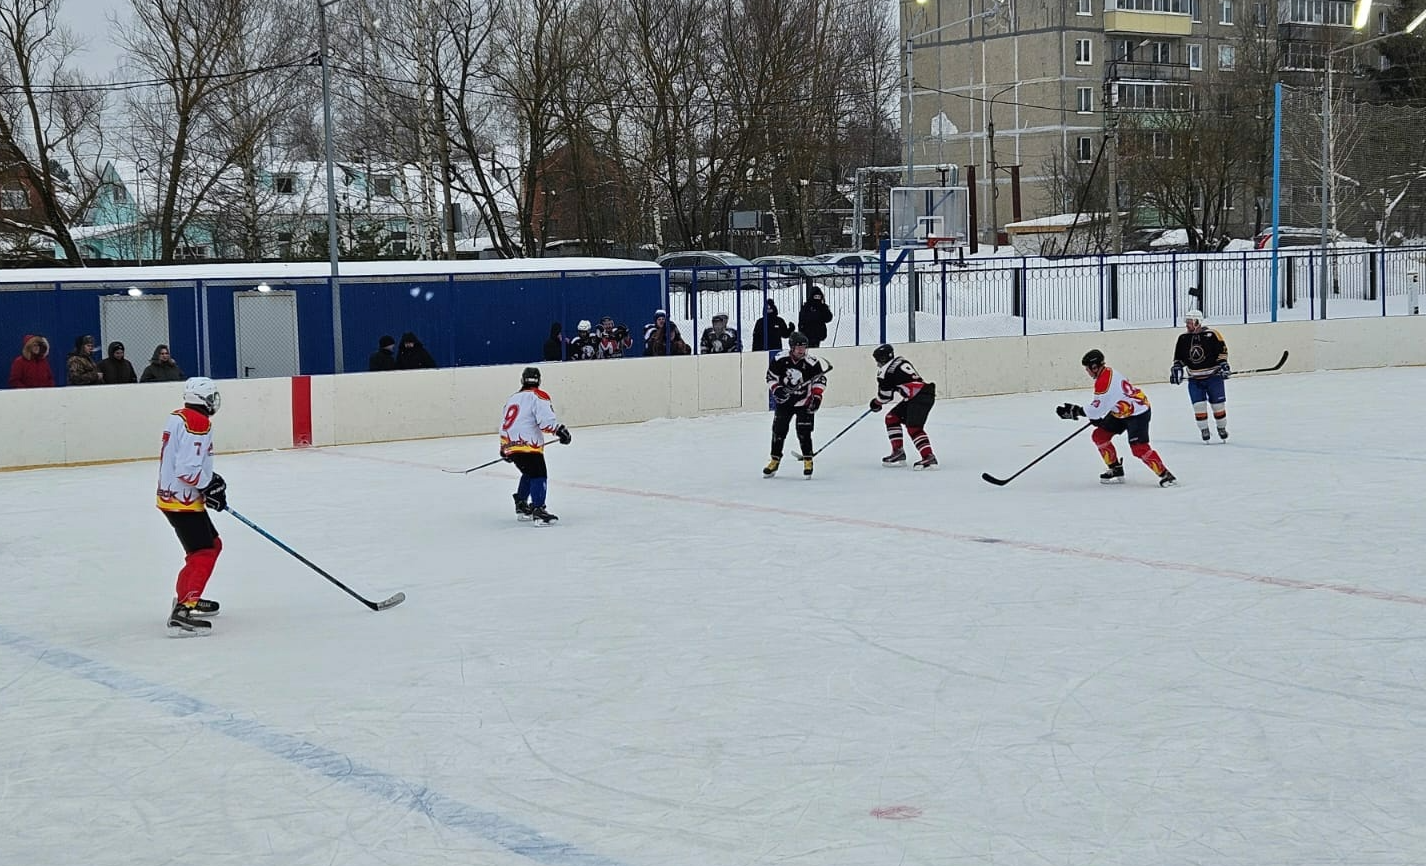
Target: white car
[(848, 260)]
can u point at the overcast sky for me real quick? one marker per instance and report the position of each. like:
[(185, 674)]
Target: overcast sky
[(89, 19)]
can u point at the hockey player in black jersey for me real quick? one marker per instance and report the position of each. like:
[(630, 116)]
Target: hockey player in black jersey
[(1204, 355), (796, 380), (613, 339), (585, 345), (896, 378), (720, 337)]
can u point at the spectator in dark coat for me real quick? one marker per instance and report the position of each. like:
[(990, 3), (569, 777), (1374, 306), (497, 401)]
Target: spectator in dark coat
[(661, 337), (812, 319), (116, 369), (384, 358), (554, 346), (770, 330), (412, 355), (162, 367), (31, 368), (80, 368)]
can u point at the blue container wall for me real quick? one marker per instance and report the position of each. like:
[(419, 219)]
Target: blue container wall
[(463, 320)]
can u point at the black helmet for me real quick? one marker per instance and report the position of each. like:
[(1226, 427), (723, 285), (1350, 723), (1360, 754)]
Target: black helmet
[(1092, 358), (530, 376), (797, 339), (883, 353)]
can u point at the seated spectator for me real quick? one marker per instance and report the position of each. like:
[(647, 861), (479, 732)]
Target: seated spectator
[(413, 355), (80, 368), (162, 367), (770, 330), (116, 369), (554, 346), (384, 358), (720, 337), (31, 368), (661, 337), (585, 345), (613, 339)]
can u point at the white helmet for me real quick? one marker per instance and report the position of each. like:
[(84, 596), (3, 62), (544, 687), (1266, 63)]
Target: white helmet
[(583, 324), (1193, 316), (202, 392)]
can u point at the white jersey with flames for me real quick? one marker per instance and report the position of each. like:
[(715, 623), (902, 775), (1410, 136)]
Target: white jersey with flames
[(185, 463), (1115, 396), (529, 415)]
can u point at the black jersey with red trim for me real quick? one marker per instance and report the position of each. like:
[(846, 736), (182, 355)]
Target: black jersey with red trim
[(803, 376), (898, 378)]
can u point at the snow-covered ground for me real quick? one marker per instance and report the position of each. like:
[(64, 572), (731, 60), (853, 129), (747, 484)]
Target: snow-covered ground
[(700, 667)]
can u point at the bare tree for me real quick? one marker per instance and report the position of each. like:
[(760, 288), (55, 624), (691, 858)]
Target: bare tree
[(49, 114)]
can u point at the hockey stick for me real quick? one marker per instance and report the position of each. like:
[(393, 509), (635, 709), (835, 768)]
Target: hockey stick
[(1001, 482), (834, 438), (1277, 366), (374, 605), (473, 468)]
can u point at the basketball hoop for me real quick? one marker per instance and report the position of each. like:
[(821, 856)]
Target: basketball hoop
[(939, 244)]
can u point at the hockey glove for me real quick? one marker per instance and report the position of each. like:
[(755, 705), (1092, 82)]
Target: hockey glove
[(875, 405), (1224, 370), (215, 495), (1176, 374), (505, 455), (1069, 411), (814, 402), (781, 394), (563, 435)]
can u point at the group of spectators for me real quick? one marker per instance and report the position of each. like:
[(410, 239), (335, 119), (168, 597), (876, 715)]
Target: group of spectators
[(410, 354), (609, 340), (31, 368)]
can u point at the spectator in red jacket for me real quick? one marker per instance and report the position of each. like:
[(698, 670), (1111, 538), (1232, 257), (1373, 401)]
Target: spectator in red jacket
[(31, 369)]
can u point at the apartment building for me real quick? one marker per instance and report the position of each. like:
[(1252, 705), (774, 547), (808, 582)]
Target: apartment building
[(1034, 83)]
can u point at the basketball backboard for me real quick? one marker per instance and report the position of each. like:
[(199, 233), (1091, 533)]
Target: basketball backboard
[(920, 212)]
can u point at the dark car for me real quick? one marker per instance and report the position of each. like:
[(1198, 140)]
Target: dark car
[(812, 272), (716, 270)]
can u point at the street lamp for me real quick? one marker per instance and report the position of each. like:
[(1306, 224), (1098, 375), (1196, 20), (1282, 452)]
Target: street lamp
[(994, 168), (331, 187), (990, 12), (1363, 7)]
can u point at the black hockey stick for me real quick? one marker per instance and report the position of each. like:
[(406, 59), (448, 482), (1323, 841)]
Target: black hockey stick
[(1001, 482), (1277, 366), (834, 438), (473, 468), (374, 605)]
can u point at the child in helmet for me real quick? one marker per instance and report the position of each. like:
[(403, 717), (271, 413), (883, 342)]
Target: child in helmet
[(1202, 351), (529, 415), (187, 488), (1118, 407), (585, 345)]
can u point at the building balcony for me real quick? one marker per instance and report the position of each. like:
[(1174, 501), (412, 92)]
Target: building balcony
[(1148, 23), (1132, 70)]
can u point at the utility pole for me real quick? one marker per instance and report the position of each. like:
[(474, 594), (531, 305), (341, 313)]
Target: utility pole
[(1111, 147), (994, 170)]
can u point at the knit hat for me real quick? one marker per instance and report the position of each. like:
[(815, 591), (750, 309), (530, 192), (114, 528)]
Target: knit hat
[(386, 342)]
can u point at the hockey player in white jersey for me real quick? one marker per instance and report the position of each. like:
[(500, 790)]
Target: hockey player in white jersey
[(529, 415), (187, 488)]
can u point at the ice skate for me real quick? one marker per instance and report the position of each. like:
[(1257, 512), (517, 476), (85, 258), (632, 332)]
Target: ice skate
[(1167, 479), (1114, 474), (807, 467), (927, 462), (771, 468), (896, 458), (1206, 434), (522, 508), (205, 607), (182, 622), (541, 516), (1222, 433)]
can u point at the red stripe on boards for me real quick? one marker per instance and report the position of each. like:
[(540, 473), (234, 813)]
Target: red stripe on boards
[(301, 411)]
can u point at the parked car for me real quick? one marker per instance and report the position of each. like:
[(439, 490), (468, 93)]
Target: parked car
[(1294, 236), (714, 270), (808, 269), (866, 258)]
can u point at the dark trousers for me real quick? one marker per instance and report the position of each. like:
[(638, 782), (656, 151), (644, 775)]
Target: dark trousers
[(782, 417)]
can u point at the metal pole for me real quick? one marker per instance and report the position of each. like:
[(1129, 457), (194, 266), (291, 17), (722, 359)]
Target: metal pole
[(1277, 188), (910, 156), (994, 210), (1326, 170), (332, 255)]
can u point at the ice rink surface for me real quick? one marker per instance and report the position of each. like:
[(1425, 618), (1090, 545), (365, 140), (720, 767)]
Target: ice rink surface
[(700, 667)]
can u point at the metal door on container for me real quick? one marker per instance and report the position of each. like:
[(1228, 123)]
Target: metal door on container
[(265, 325), (140, 323)]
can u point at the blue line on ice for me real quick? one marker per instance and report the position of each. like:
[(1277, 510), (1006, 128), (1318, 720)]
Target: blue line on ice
[(514, 837)]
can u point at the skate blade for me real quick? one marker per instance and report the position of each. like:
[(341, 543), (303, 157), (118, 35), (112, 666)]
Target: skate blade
[(178, 631), (1119, 480), (932, 468)]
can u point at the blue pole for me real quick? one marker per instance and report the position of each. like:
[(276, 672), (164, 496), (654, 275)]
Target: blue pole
[(1277, 187)]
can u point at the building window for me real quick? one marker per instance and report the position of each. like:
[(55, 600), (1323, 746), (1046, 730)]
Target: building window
[(1225, 11), (1083, 52), (1260, 14), (1160, 52), (284, 245), (1226, 56), (383, 186), (14, 199), (1084, 149), (1382, 27), (1146, 5), (1195, 9), (1163, 145), (1320, 12), (285, 184), (1195, 56), (398, 243), (1084, 7), (1084, 100)]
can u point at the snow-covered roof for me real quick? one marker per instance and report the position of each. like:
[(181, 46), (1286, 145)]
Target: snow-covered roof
[(258, 271), (1056, 221)]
